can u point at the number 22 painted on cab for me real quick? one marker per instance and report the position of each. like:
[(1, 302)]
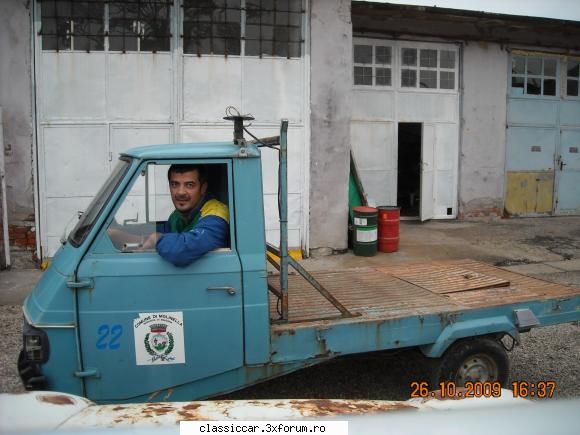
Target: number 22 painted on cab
[(108, 337)]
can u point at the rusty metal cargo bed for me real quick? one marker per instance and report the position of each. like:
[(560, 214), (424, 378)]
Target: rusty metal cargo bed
[(392, 292)]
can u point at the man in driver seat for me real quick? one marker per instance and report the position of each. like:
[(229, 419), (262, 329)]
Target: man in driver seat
[(199, 223)]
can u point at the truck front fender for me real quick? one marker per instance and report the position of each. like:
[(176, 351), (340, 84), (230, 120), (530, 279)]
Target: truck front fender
[(469, 328)]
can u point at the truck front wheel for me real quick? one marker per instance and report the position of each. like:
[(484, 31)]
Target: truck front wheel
[(472, 360)]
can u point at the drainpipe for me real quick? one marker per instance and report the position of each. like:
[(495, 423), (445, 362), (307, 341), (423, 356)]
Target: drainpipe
[(3, 195)]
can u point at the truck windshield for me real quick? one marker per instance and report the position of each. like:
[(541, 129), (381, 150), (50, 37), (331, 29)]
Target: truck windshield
[(89, 217)]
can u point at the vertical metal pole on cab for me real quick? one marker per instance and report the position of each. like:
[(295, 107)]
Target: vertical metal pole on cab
[(283, 202)]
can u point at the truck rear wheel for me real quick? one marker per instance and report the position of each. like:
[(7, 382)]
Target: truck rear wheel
[(472, 360)]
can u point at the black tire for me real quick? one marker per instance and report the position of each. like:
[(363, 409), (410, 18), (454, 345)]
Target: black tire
[(472, 359)]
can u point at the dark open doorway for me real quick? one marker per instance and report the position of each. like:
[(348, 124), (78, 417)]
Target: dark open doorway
[(409, 168)]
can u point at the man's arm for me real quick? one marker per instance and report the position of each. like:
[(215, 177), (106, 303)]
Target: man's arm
[(181, 249)]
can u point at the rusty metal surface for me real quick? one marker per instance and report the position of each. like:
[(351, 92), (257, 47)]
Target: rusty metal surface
[(366, 291), (38, 410), (25, 412), (400, 20), (378, 293), (56, 399), (521, 287), (320, 288), (161, 414), (444, 279)]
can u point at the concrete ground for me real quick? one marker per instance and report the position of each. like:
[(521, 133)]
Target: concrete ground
[(548, 248)]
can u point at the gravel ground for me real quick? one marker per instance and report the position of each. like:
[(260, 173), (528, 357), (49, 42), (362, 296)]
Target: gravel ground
[(550, 354), (11, 316)]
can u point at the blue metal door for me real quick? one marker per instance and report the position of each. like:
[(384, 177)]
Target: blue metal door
[(543, 137), (140, 286), (568, 173)]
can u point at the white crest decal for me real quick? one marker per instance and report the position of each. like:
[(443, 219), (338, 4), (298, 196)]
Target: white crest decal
[(159, 338)]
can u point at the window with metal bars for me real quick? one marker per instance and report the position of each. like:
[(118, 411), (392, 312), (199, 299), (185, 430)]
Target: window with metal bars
[(140, 25), (273, 28), (133, 25), (212, 27), (270, 28), (72, 25)]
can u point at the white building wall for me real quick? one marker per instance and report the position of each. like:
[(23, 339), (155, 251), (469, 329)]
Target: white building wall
[(484, 106), (330, 111), (15, 100), (92, 106), (376, 112)]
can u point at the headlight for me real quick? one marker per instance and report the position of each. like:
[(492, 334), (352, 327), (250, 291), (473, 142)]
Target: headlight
[(33, 347), (36, 348)]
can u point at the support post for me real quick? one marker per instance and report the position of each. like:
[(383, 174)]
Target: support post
[(4, 205), (283, 202)]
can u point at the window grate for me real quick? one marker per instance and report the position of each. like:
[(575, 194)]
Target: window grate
[(274, 28), (139, 25), (212, 27), (133, 25), (261, 27), (72, 25)]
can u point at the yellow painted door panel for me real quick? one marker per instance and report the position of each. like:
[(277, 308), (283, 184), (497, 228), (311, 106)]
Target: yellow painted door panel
[(529, 192)]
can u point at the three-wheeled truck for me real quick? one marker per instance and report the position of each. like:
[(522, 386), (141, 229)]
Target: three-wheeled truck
[(116, 323)]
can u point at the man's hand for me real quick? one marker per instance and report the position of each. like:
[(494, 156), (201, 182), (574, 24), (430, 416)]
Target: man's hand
[(151, 241)]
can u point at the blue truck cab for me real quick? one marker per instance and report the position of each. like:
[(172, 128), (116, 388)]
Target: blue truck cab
[(116, 323)]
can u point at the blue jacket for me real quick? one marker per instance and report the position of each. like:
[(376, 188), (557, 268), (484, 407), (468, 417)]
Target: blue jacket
[(210, 232)]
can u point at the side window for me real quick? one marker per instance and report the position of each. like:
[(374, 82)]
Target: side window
[(372, 65), (252, 27), (72, 25), (152, 206), (139, 25), (534, 76), (428, 68), (572, 78)]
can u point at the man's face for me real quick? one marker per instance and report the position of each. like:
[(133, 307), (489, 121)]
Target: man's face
[(186, 190)]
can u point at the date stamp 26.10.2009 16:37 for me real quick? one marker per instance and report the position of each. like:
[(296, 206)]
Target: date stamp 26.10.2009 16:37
[(449, 389)]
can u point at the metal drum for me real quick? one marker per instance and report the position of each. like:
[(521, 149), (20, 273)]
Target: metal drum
[(389, 220), (365, 231)]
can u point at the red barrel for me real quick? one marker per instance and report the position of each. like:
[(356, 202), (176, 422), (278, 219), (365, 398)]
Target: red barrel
[(389, 218)]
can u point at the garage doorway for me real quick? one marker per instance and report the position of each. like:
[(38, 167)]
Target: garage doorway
[(409, 168)]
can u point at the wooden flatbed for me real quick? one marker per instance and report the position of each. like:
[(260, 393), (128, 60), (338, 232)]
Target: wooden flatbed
[(411, 290)]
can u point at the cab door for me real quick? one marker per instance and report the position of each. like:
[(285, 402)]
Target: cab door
[(146, 325)]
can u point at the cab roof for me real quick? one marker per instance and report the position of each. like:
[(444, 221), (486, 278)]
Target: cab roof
[(204, 150)]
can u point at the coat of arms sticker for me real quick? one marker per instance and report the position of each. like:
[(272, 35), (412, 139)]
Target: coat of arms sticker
[(159, 338)]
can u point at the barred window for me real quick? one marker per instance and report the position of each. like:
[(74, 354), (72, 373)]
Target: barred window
[(72, 25), (270, 28), (273, 28), (212, 27), (139, 25)]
